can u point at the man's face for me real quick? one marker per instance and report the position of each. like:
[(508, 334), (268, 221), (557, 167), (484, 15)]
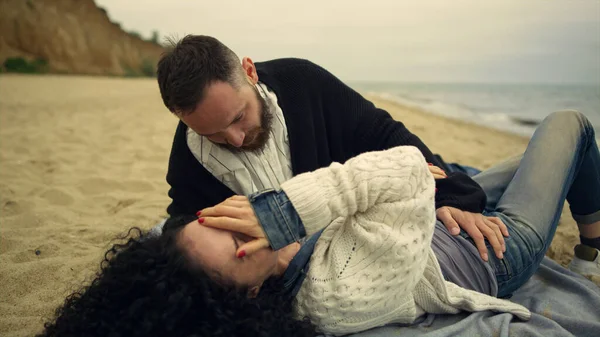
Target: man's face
[(239, 119)]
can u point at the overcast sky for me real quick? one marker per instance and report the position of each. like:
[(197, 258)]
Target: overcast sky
[(394, 40)]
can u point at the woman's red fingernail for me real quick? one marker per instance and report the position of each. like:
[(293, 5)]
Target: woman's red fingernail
[(436, 189), (241, 254), (198, 213), (201, 220), (430, 164)]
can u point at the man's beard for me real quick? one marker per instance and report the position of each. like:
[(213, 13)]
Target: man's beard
[(257, 138)]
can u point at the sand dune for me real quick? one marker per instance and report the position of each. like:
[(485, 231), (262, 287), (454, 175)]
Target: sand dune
[(82, 159), (74, 36)]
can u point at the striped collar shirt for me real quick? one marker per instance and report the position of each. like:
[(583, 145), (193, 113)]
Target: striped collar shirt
[(247, 172)]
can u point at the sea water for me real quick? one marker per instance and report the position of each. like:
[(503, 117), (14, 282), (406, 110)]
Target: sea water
[(516, 108)]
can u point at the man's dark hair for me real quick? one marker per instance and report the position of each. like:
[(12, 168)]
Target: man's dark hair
[(147, 287), (192, 64)]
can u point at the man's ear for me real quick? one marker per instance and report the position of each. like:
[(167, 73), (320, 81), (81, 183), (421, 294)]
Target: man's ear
[(253, 292), (249, 70)]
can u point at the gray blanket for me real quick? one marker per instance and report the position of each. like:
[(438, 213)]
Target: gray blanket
[(562, 304)]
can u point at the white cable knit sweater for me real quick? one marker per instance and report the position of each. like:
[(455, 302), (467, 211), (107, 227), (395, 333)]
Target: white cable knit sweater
[(373, 264)]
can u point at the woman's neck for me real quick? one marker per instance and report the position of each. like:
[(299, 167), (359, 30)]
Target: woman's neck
[(285, 256)]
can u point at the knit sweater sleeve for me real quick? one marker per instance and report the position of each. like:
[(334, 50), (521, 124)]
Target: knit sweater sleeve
[(368, 128), (340, 191), (378, 213)]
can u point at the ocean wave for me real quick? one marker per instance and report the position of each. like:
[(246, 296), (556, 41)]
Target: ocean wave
[(513, 108), (497, 120)]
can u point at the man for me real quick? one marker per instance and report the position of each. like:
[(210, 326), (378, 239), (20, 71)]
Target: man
[(249, 127)]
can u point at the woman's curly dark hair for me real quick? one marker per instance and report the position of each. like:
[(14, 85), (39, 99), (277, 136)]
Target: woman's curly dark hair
[(146, 287)]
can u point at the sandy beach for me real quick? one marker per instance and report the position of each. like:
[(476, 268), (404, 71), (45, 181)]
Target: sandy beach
[(83, 159)]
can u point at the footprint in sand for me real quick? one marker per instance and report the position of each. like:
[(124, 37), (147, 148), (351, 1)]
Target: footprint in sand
[(154, 172), (11, 207), (5, 190), (36, 253), (25, 219), (121, 204), (8, 245), (57, 197), (137, 186), (93, 186)]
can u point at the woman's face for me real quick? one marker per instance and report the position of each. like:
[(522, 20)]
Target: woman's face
[(214, 250)]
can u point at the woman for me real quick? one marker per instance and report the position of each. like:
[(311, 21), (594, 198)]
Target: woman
[(351, 243), (146, 288)]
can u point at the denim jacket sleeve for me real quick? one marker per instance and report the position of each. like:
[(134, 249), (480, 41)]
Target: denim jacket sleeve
[(278, 218)]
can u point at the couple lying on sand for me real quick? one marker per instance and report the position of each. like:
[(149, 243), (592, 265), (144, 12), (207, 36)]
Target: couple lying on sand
[(342, 249), (336, 248)]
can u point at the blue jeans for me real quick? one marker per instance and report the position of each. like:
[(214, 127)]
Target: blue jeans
[(528, 193)]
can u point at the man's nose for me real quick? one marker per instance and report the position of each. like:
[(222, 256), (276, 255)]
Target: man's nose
[(235, 138)]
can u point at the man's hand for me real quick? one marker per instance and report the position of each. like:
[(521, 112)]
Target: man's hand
[(237, 215), (478, 226)]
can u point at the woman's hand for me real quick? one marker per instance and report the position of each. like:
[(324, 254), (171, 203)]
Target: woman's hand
[(478, 226), (437, 172), (236, 214)]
